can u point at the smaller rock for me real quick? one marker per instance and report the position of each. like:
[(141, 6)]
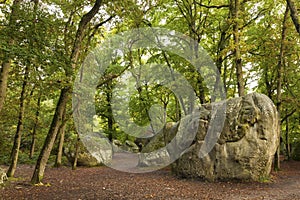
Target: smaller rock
[(132, 146), (162, 138), (3, 176), (154, 159), (117, 143), (95, 150), (117, 146)]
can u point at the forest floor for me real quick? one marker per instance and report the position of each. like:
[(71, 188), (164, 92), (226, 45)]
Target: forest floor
[(105, 183)]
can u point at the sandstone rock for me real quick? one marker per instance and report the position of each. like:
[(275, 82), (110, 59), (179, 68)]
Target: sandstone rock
[(116, 145), (117, 142), (240, 148), (162, 138), (3, 176), (168, 145), (132, 147), (246, 145), (155, 152), (143, 142), (128, 145), (157, 159)]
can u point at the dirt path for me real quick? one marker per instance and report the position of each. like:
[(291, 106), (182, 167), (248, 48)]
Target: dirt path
[(105, 183)]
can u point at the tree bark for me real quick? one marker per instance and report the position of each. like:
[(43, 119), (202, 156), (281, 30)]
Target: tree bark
[(64, 96), (17, 141), (5, 66), (294, 14)]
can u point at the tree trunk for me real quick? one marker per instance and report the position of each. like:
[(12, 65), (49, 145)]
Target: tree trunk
[(61, 141), (110, 119), (77, 148), (237, 51), (277, 159), (80, 32), (287, 139), (4, 72), (34, 130), (219, 63), (64, 96), (294, 14), (3, 82), (17, 141), (56, 122), (279, 82)]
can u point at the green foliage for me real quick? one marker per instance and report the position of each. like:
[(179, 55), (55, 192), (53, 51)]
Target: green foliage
[(23, 158)]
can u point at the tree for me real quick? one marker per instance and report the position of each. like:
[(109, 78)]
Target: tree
[(287, 138), (64, 95), (279, 81), (35, 127), (17, 140), (22, 105), (6, 64), (61, 135), (237, 53), (195, 23)]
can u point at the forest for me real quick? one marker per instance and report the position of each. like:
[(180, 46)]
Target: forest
[(255, 45)]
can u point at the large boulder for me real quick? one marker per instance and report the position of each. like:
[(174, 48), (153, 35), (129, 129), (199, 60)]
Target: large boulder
[(246, 145), (243, 149)]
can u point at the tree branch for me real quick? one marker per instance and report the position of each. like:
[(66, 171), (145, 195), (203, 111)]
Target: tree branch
[(97, 26), (217, 7), (294, 14), (288, 115), (80, 31), (255, 18), (110, 77), (104, 22)]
